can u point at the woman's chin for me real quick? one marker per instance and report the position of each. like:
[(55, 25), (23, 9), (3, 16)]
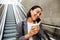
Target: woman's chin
[(34, 21)]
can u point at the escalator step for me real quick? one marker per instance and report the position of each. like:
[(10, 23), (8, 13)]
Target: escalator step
[(10, 25), (10, 18), (7, 28), (9, 35), (9, 31), (11, 38), (10, 22)]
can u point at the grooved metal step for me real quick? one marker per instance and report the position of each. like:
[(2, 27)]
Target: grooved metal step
[(10, 22), (10, 35), (13, 38), (9, 31), (10, 27)]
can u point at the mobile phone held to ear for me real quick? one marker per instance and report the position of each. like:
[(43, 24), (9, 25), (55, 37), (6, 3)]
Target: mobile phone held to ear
[(38, 20)]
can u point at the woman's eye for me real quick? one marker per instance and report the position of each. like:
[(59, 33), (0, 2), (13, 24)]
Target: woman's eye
[(40, 14)]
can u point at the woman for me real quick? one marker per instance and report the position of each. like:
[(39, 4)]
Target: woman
[(30, 29)]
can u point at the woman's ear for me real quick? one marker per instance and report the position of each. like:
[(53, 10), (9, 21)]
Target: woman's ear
[(31, 11)]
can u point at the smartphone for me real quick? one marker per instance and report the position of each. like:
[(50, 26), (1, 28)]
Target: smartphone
[(38, 20)]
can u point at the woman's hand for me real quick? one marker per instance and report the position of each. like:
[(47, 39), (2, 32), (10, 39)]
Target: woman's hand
[(34, 30)]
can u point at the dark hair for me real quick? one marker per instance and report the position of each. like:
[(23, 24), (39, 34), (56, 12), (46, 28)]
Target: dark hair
[(34, 7)]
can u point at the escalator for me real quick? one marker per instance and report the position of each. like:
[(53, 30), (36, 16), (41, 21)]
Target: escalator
[(9, 32)]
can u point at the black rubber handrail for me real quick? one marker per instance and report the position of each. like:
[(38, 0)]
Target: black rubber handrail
[(51, 25)]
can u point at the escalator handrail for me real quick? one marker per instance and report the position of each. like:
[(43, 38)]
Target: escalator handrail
[(52, 26), (22, 9), (18, 13), (1, 14), (17, 16), (3, 21), (1, 5)]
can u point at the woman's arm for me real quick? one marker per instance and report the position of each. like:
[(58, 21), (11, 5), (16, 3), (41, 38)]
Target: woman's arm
[(19, 35)]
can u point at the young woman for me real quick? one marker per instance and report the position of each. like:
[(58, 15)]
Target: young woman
[(31, 28)]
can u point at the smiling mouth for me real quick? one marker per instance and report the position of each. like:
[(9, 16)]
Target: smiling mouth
[(34, 21)]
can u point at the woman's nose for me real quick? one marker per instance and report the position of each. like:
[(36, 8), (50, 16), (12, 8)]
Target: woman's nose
[(38, 15)]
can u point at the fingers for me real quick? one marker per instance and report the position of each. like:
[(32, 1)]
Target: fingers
[(33, 28), (35, 31), (36, 28)]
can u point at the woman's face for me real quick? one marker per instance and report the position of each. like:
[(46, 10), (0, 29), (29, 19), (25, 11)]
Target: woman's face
[(36, 13)]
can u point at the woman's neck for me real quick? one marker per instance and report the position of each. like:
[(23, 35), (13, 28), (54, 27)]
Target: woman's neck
[(29, 20)]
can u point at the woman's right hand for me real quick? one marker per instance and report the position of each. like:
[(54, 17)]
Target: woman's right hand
[(34, 30)]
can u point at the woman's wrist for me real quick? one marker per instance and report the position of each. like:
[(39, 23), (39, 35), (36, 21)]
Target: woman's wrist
[(27, 36)]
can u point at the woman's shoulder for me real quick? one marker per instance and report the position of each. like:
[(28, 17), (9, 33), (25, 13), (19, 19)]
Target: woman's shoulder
[(20, 22)]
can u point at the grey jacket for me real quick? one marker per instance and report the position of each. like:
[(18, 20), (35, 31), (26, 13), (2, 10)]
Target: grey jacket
[(19, 33)]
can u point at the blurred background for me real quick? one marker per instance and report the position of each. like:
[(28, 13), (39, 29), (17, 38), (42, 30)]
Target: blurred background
[(14, 11)]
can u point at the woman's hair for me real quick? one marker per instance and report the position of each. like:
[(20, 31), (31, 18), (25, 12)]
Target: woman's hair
[(34, 7)]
